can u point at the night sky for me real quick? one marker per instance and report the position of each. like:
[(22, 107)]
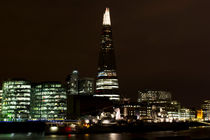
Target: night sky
[(159, 44)]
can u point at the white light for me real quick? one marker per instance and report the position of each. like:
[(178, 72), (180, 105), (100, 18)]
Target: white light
[(94, 120), (53, 128), (87, 121), (106, 19), (107, 95), (106, 122)]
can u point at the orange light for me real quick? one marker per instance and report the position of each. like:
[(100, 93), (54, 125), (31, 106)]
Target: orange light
[(200, 114)]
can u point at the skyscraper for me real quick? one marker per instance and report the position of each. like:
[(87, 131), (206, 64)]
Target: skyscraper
[(86, 86), (107, 81), (77, 85), (72, 83)]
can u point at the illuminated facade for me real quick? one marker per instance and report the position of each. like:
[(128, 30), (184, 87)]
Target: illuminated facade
[(200, 114), (86, 85), (152, 95), (16, 100), (206, 110), (158, 106), (1, 93), (73, 83), (49, 101), (77, 85), (187, 114), (107, 81)]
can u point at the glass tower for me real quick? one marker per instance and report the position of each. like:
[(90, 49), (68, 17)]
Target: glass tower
[(86, 86), (107, 81), (16, 100), (73, 83), (79, 86), (49, 101)]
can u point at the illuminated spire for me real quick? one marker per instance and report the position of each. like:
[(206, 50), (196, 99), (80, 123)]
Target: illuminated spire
[(106, 20)]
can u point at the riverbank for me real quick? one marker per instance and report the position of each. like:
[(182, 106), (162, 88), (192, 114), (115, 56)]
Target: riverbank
[(62, 128)]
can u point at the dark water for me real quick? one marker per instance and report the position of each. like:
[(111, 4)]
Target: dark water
[(192, 134)]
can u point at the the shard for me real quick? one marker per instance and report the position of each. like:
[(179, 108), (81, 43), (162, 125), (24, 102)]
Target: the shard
[(107, 82)]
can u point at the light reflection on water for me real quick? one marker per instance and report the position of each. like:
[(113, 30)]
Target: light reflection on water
[(193, 133)]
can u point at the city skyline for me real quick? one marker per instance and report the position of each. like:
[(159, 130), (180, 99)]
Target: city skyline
[(160, 45)]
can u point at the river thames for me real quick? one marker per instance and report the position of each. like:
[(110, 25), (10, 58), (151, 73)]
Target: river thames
[(201, 133)]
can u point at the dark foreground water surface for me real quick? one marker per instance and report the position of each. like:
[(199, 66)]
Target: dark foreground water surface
[(191, 134)]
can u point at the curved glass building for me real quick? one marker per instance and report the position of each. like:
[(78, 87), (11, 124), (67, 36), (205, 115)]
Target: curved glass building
[(16, 100), (48, 101)]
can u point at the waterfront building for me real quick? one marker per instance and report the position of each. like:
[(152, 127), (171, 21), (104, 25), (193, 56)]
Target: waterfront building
[(158, 106), (77, 85), (187, 114), (16, 100), (107, 81), (206, 110), (1, 93), (49, 101), (153, 96)]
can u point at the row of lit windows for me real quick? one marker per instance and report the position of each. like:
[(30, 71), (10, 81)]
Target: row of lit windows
[(17, 99), (107, 87), (106, 82), (107, 73)]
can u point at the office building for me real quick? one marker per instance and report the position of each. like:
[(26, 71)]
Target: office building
[(107, 82), (206, 110), (49, 101), (86, 86), (73, 83), (16, 100), (158, 106), (1, 93), (79, 86), (153, 96)]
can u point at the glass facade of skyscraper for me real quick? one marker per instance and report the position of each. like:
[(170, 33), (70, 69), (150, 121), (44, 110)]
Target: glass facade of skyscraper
[(16, 100), (107, 81), (86, 86), (77, 85), (48, 101), (73, 83)]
